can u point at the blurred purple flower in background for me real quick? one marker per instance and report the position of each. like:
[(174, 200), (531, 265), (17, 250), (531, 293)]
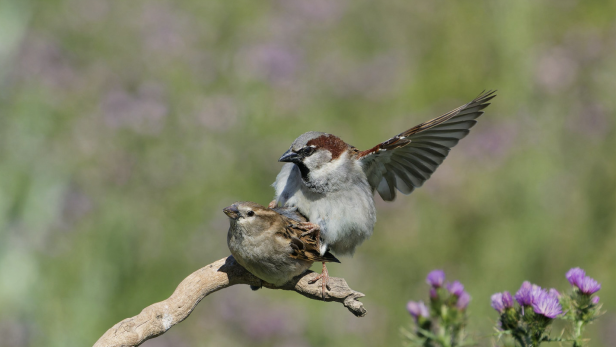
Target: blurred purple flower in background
[(587, 285), (557, 70), (436, 278), (217, 112), (575, 276), (273, 62), (143, 111), (417, 309), (523, 296), (259, 320), (502, 301), (166, 30), (507, 299), (433, 293), (463, 301), (536, 293), (456, 288), (442, 326), (315, 12), (497, 302), (44, 60), (493, 141), (546, 305)]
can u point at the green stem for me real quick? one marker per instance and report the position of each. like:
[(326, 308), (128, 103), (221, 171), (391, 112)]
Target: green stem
[(577, 334), (444, 337), (519, 340)]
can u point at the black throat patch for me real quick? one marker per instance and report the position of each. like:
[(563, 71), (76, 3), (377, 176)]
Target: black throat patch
[(303, 169)]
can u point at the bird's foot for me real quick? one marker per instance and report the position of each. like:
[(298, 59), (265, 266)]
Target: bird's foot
[(308, 227), (273, 204), (324, 277)]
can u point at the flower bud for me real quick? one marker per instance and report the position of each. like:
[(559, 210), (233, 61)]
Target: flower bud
[(497, 302), (463, 301), (436, 278), (417, 309), (456, 288)]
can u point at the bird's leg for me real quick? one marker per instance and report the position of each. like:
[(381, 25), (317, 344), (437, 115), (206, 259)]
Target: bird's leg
[(273, 204), (324, 277), (311, 228), (308, 227)]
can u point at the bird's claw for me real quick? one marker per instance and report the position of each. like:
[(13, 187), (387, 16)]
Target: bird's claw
[(324, 277), (308, 227), (273, 204)]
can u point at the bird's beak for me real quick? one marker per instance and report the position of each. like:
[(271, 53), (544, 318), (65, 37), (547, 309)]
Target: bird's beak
[(231, 212), (290, 157)]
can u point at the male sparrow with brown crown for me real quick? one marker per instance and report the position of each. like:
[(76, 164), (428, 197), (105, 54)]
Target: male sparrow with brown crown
[(273, 244), (332, 183)]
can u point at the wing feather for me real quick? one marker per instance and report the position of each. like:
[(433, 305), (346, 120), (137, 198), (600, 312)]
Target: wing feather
[(304, 246), (389, 191), (419, 165), (408, 159), (403, 181), (429, 162), (464, 125), (416, 176), (440, 141)]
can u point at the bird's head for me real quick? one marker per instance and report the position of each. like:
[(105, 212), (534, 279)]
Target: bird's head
[(252, 218), (314, 151)]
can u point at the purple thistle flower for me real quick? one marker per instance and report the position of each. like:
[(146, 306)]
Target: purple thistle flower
[(589, 286), (456, 288), (436, 278), (575, 276), (502, 301), (595, 300), (507, 300), (553, 292), (418, 309), (547, 305), (523, 295), (433, 293), (497, 302), (463, 301), (535, 293)]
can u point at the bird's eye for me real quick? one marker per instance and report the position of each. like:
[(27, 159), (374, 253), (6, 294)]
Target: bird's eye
[(250, 213), (306, 151)]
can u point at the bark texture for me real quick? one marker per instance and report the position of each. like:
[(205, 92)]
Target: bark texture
[(157, 318)]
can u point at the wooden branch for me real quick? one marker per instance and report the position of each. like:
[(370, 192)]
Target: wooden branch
[(157, 318)]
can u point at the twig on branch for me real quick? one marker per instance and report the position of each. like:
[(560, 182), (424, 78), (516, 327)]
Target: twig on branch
[(157, 318)]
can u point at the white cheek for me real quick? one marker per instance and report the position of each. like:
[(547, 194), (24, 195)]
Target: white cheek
[(318, 160), (330, 168)]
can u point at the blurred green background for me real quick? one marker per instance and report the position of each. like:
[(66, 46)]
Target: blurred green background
[(126, 127)]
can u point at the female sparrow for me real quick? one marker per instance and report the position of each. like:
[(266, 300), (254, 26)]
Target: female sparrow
[(272, 243)]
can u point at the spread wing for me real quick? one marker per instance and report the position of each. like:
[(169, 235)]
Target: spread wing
[(407, 160), (305, 247)]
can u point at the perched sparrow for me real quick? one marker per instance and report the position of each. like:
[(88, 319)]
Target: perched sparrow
[(272, 243), (332, 183)]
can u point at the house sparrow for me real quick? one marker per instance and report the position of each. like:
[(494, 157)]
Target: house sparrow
[(272, 243), (332, 183)]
